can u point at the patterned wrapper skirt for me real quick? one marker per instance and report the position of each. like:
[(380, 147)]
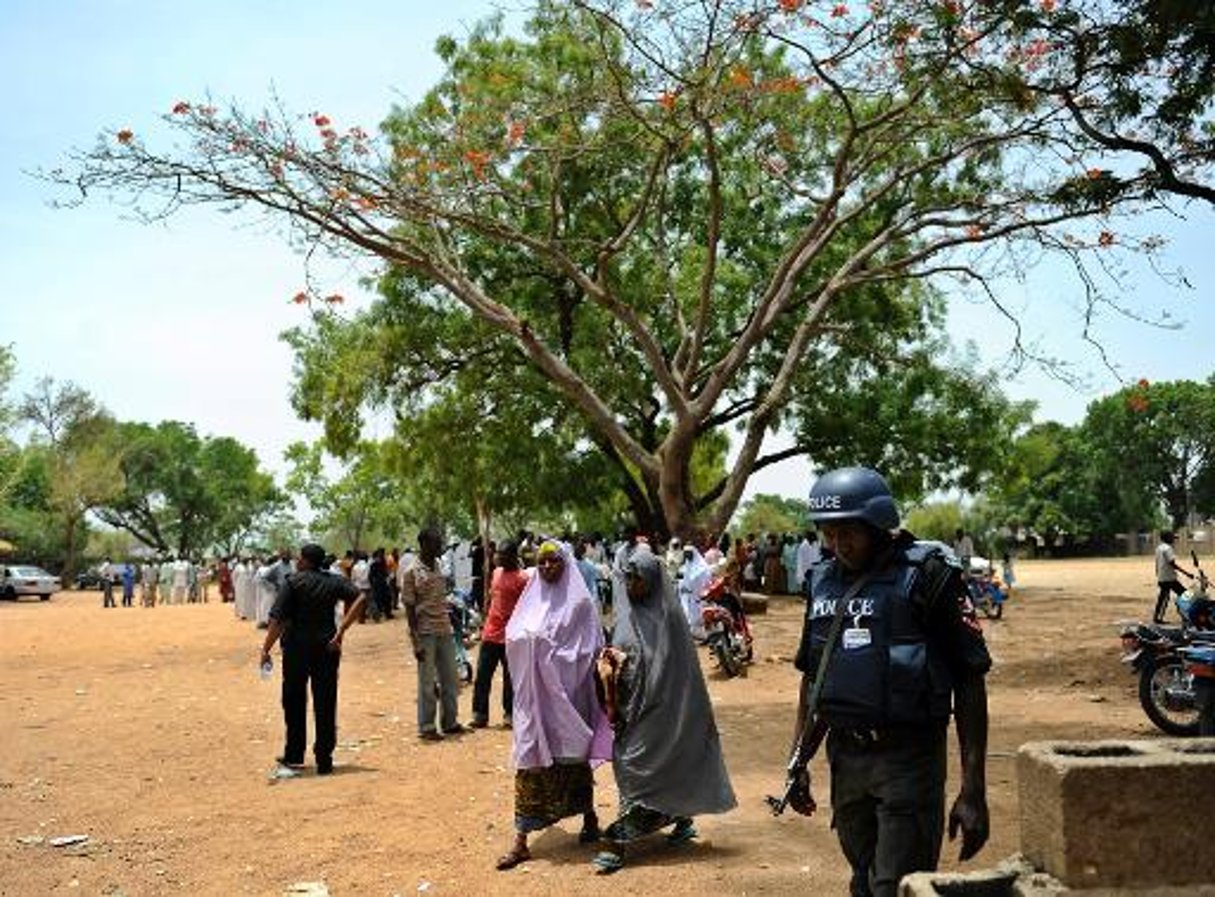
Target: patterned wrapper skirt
[(544, 796)]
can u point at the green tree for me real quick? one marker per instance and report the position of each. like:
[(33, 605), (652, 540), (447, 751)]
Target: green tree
[(185, 494), (682, 218), (77, 440), (773, 514), (1137, 78), (362, 504), (1151, 443)]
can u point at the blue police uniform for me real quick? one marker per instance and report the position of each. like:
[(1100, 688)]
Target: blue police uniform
[(906, 638)]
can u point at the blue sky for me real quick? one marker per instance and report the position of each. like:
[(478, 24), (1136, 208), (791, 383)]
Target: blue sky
[(181, 321)]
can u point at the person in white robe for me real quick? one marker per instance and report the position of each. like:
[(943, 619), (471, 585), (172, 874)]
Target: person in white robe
[(809, 553), (267, 591), (693, 579), (181, 580), (246, 594)]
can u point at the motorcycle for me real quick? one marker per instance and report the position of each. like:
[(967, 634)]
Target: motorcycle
[(988, 594), (1165, 660), (465, 619), (727, 632)]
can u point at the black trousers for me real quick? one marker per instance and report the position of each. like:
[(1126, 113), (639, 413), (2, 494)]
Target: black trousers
[(889, 806), (315, 664), (1167, 590), (489, 655)]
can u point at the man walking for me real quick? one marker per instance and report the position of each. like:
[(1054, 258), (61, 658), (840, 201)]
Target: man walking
[(1166, 574), (891, 634), (508, 584), (424, 594), (303, 617)]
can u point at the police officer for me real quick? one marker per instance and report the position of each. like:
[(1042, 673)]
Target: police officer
[(907, 650), (303, 615)]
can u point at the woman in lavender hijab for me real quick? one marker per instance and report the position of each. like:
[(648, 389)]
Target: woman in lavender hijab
[(559, 727)]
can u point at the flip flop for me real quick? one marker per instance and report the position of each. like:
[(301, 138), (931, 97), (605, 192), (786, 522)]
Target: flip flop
[(513, 858), (606, 863)]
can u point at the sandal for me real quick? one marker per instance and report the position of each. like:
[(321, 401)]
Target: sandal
[(683, 832), (606, 863), (513, 858)]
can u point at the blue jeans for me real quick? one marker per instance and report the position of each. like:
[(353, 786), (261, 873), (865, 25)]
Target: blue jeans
[(438, 661)]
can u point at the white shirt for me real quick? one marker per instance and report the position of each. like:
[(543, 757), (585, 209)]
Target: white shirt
[(1166, 557), (808, 554)]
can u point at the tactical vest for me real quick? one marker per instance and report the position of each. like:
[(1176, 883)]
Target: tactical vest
[(882, 671)]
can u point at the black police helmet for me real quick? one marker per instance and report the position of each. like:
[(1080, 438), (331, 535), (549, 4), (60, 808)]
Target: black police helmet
[(853, 493)]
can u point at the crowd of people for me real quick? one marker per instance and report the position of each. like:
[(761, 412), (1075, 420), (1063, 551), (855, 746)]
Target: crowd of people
[(597, 649), (172, 580)]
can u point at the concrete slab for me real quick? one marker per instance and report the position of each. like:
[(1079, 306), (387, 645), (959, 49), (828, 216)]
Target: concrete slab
[(1119, 814)]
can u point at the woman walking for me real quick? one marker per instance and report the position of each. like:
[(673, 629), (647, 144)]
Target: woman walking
[(667, 753), (552, 642)]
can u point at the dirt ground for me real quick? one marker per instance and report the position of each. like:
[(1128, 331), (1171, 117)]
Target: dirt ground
[(150, 732)]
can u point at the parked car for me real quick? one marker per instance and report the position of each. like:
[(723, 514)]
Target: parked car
[(18, 580), (92, 579)]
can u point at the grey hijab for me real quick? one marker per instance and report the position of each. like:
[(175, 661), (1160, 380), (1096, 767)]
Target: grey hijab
[(667, 754)]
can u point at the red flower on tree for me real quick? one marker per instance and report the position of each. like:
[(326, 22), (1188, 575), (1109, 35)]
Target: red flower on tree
[(321, 121), (839, 11), (790, 5), (667, 100), (1143, 383), (335, 299), (181, 107), (125, 136), (1105, 238), (300, 298), (478, 160)]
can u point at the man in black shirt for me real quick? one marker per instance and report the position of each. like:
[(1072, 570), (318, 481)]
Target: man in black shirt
[(304, 616), (890, 630)]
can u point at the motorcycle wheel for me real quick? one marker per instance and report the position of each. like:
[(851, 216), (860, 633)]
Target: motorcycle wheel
[(1155, 676), (725, 658)]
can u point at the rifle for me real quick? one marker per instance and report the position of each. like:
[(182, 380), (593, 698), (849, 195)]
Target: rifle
[(804, 749)]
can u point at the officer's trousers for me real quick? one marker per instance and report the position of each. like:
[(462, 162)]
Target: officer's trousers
[(303, 664), (888, 800)]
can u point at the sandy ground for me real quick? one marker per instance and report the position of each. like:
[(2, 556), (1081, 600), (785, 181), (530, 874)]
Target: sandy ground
[(150, 732)]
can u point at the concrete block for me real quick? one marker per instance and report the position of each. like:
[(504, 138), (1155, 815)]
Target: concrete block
[(1119, 814)]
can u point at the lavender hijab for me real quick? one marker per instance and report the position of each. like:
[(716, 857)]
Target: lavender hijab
[(667, 754), (552, 641)]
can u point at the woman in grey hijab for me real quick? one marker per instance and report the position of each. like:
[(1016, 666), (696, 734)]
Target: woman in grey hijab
[(667, 753)]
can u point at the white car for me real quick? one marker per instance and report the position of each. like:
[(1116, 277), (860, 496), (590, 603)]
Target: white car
[(20, 580)]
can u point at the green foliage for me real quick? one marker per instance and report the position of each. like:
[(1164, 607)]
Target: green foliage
[(937, 521), (773, 514), (363, 506), (183, 494), (1150, 445), (1141, 458), (1137, 78), (634, 227)]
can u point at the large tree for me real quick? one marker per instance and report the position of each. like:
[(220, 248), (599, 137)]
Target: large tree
[(684, 216), (1153, 444), (74, 438), (1137, 78), (185, 494)]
